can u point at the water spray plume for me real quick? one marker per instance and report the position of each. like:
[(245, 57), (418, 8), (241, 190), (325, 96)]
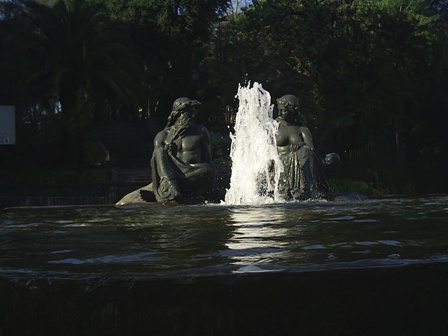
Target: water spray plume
[(255, 162)]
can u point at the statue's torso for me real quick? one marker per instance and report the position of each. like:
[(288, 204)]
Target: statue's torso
[(189, 148), (190, 145), (288, 135)]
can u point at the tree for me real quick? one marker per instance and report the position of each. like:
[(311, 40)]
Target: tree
[(87, 58), (73, 54), (171, 40), (365, 70)]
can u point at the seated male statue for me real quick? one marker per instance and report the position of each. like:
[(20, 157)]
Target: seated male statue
[(181, 164), (303, 175)]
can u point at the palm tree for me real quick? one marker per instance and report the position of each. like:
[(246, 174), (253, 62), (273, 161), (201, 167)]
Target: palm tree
[(73, 53), (84, 57)]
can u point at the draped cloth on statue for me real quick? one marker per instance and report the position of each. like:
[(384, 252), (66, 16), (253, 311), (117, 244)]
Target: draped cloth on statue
[(303, 174)]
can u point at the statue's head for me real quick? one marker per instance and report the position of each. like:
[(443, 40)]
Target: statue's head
[(184, 103), (180, 106), (289, 103)]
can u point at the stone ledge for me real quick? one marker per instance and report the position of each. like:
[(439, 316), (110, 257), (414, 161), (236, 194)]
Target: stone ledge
[(404, 300)]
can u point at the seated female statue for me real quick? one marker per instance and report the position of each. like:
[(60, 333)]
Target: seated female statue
[(303, 175)]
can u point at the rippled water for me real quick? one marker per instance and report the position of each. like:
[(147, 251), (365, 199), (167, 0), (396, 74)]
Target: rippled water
[(209, 239)]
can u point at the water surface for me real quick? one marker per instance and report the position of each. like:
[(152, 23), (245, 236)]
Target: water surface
[(162, 240)]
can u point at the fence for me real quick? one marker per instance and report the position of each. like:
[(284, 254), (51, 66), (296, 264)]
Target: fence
[(53, 195), (364, 154)]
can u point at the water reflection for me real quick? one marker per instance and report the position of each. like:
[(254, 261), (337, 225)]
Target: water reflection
[(258, 236), (215, 238)]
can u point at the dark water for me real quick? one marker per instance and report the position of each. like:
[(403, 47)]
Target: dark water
[(161, 240)]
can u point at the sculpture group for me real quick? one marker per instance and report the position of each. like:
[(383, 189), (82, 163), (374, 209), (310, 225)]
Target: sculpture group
[(183, 170)]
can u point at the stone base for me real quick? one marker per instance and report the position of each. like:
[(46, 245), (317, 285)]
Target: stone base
[(143, 195), (405, 300)]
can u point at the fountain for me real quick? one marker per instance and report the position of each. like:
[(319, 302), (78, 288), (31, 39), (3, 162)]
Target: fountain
[(253, 264), (253, 151)]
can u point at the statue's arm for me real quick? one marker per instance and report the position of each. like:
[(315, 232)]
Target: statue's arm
[(161, 145), (306, 135), (161, 159), (159, 140), (163, 168)]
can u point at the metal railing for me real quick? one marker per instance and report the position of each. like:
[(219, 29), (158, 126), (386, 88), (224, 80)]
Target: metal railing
[(59, 195)]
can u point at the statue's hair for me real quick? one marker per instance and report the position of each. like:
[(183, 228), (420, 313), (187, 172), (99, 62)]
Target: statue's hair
[(172, 117), (293, 103), (289, 100), (179, 105)]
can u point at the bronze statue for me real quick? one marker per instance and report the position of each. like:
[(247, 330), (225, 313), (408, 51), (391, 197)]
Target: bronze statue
[(303, 175), (181, 164)]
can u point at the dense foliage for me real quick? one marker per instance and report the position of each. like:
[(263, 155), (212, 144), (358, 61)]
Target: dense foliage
[(370, 73)]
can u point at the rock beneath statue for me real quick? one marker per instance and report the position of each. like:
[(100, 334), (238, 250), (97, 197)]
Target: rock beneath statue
[(146, 196), (143, 195)]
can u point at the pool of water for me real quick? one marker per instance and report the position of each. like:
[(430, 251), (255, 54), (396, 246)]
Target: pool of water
[(158, 240)]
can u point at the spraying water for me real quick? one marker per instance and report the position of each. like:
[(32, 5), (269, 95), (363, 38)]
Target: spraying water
[(255, 163)]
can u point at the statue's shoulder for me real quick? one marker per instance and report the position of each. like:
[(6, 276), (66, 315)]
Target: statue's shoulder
[(161, 136)]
